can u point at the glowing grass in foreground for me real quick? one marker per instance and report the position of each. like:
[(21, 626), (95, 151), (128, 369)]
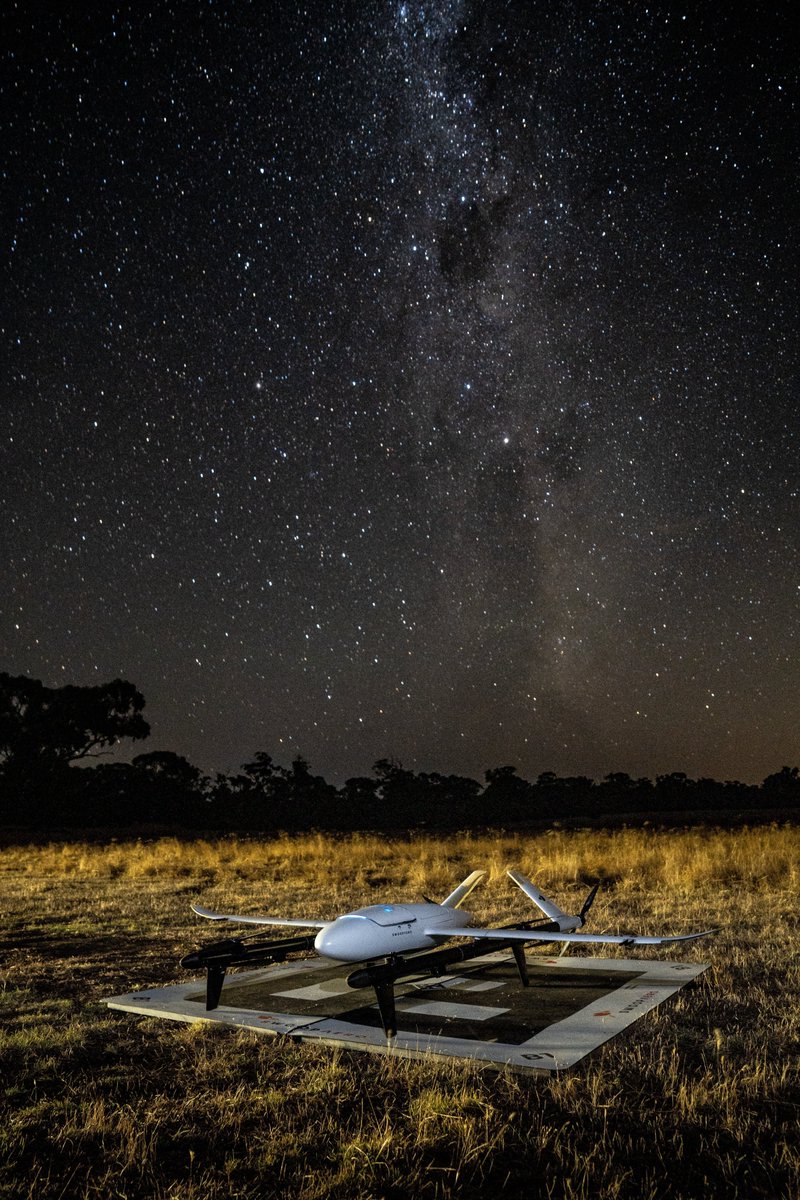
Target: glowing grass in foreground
[(701, 1099)]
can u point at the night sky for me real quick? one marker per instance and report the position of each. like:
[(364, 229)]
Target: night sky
[(407, 379)]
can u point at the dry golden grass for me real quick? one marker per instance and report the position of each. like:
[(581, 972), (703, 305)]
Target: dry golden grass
[(701, 1099)]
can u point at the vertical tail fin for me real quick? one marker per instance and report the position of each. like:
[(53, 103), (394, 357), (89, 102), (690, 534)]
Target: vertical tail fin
[(548, 907), (455, 899), (563, 921)]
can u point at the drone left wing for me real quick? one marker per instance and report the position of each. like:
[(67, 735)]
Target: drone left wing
[(296, 924), (535, 935)]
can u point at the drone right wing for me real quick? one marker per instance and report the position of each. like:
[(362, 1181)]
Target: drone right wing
[(540, 935)]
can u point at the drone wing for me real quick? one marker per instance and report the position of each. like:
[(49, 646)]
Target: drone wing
[(535, 935), (297, 924)]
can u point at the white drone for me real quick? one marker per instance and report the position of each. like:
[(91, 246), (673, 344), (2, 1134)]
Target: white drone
[(381, 935)]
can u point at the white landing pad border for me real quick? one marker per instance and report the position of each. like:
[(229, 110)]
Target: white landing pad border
[(555, 1048)]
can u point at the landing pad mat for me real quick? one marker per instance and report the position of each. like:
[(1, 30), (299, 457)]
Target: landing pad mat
[(481, 1012)]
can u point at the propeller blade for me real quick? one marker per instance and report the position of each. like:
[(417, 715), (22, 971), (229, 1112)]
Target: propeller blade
[(587, 904)]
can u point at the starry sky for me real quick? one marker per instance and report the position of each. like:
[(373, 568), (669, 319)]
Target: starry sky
[(407, 379)]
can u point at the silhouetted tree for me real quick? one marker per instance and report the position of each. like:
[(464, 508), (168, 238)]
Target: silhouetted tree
[(359, 803), (401, 794), (105, 796), (269, 796), (67, 723), (235, 804), (263, 771), (564, 796), (674, 792), (43, 730), (449, 801), (259, 796), (783, 787), (619, 793), (310, 800), (507, 798), (168, 789), (740, 795)]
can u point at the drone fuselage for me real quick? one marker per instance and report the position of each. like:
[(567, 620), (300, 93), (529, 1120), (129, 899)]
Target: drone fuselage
[(380, 930)]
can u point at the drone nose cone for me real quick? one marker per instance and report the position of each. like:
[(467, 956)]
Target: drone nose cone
[(327, 942), (322, 942), (339, 941)]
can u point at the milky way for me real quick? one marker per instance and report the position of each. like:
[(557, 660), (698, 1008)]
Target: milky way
[(408, 379)]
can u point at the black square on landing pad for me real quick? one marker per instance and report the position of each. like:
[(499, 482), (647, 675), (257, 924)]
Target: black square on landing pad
[(479, 1002)]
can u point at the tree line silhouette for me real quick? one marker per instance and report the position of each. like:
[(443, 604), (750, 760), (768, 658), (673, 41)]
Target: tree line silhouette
[(46, 733)]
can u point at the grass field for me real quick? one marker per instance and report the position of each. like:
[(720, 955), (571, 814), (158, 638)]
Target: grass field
[(700, 1099)]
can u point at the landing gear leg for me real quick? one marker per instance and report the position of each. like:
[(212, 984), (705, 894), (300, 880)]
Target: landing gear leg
[(518, 950)]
